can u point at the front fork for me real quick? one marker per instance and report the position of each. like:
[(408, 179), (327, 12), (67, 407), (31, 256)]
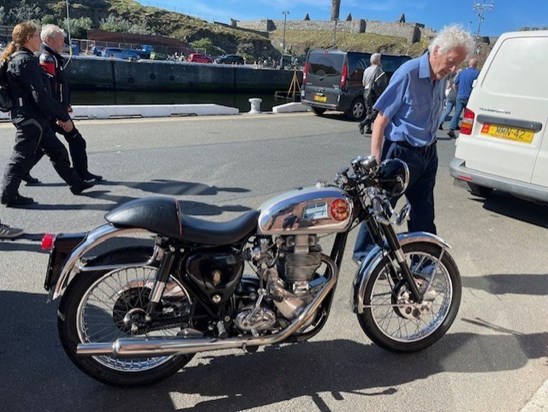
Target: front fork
[(396, 249), (396, 252)]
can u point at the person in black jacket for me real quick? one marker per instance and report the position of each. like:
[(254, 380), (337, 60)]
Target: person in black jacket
[(53, 41), (33, 110)]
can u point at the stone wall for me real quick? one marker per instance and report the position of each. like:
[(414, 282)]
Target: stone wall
[(412, 32)]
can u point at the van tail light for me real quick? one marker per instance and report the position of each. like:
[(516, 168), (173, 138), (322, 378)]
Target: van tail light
[(467, 122), (48, 241), (344, 76), (305, 72)]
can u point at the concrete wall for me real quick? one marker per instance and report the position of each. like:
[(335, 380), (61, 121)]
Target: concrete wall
[(89, 73)]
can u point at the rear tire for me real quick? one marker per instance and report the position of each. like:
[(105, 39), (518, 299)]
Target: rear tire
[(94, 309), (394, 329), (318, 111), (479, 191), (357, 110)]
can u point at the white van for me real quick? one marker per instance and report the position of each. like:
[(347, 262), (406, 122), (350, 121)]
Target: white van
[(503, 143)]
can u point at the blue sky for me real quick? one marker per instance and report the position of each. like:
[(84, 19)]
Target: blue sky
[(506, 15)]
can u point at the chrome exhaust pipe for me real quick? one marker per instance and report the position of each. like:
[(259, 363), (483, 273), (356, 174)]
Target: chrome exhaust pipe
[(147, 347)]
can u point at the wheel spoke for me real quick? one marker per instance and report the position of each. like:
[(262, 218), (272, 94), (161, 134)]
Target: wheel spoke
[(100, 317)]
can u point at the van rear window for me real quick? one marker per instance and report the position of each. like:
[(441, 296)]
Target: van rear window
[(512, 77), (325, 64)]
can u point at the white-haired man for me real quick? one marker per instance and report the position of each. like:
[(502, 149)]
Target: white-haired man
[(409, 116), (374, 82), (53, 42)]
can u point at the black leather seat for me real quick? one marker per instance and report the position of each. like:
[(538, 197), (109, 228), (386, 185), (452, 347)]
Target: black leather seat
[(162, 215)]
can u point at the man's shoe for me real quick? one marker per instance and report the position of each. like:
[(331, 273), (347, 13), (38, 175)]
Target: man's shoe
[(369, 131), (441, 127), (361, 128), (80, 187), (7, 232), (18, 201), (29, 180), (451, 134)]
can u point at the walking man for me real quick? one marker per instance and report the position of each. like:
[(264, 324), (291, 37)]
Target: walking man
[(463, 83), (374, 82), (53, 41)]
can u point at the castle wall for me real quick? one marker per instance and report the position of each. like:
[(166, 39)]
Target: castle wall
[(412, 32)]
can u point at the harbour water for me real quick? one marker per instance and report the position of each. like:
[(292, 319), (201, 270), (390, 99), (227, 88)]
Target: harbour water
[(237, 100)]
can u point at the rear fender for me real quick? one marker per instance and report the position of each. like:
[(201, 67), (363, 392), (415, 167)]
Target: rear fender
[(75, 263), (375, 257)]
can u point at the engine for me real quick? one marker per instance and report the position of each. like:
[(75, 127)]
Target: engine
[(288, 273)]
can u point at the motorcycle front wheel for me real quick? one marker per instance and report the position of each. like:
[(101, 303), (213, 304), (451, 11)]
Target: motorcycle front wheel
[(104, 306), (392, 320)]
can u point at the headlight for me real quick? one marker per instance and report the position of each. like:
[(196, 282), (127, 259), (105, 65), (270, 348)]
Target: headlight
[(393, 177)]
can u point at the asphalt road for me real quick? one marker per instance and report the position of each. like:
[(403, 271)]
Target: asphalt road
[(494, 357)]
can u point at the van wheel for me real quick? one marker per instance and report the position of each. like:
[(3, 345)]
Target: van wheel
[(357, 110), (318, 110), (480, 191)]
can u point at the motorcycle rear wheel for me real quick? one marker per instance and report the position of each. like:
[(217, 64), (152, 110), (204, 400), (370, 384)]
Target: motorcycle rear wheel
[(392, 321), (93, 309)]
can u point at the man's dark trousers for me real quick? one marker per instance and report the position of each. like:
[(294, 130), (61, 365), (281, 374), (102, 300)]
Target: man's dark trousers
[(423, 166)]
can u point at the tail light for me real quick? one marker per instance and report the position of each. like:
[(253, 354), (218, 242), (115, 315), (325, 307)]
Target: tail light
[(305, 72), (344, 76), (48, 241), (467, 122)]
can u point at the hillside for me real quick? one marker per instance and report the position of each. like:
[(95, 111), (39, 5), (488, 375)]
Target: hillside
[(129, 16)]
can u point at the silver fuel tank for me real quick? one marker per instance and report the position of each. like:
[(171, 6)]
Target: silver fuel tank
[(306, 211)]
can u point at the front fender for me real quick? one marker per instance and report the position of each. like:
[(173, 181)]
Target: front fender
[(73, 264), (363, 275)]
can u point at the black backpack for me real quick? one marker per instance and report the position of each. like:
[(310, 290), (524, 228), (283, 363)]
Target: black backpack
[(5, 101)]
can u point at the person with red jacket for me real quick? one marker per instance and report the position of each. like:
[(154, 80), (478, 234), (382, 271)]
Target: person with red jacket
[(53, 41)]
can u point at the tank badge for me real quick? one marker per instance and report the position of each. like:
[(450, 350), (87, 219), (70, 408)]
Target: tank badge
[(216, 277)]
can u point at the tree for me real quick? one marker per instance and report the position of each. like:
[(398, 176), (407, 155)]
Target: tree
[(22, 12), (206, 44), (78, 27)]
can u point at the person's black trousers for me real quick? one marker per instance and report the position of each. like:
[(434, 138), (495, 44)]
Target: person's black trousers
[(77, 148), (423, 165), (32, 139)]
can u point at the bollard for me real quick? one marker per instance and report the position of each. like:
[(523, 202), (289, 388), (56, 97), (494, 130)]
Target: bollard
[(255, 105)]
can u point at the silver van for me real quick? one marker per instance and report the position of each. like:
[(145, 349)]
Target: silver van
[(503, 143)]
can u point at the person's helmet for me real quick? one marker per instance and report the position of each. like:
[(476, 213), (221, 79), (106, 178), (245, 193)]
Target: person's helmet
[(393, 176)]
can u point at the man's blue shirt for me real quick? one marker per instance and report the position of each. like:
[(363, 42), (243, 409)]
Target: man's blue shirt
[(413, 102), (464, 82)]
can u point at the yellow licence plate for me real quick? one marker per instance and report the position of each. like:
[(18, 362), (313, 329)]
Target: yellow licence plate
[(508, 132), (320, 98)]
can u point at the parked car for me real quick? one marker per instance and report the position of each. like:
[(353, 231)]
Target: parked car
[(230, 59), (503, 143), (96, 50), (332, 80), (199, 58), (118, 53)]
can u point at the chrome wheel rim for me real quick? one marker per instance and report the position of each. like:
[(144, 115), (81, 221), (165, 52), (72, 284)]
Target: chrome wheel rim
[(97, 310), (386, 306)]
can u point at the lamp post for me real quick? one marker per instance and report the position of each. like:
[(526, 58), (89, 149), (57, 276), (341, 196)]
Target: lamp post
[(480, 9), (336, 21), (285, 13)]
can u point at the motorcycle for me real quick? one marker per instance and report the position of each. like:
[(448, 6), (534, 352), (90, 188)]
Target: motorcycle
[(134, 315)]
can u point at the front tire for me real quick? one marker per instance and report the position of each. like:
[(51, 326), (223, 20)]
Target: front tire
[(95, 308), (392, 320)]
